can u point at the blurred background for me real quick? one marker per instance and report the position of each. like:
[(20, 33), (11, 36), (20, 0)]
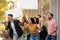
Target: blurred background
[(29, 11)]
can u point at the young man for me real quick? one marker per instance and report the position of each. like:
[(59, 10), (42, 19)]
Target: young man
[(15, 30), (52, 26)]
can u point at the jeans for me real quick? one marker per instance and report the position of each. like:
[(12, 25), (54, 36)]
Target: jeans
[(28, 36), (35, 37), (51, 37), (21, 38), (15, 37)]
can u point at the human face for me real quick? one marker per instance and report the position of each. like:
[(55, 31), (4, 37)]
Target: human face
[(10, 18), (49, 17), (29, 21)]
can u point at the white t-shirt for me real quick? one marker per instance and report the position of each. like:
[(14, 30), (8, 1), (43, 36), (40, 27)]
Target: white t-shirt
[(13, 27)]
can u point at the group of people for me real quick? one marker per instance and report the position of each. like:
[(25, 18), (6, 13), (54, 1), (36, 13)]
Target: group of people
[(34, 27)]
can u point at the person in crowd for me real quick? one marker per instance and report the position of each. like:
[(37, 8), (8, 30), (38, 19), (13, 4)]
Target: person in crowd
[(36, 19), (52, 26), (37, 22), (15, 31), (42, 28), (25, 22), (38, 16), (32, 27)]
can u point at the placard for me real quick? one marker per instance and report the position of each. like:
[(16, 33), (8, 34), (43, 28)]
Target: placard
[(27, 4), (15, 12)]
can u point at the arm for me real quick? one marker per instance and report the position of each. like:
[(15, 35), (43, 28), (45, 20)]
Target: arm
[(43, 13), (6, 26), (41, 22), (25, 27), (20, 23), (41, 19)]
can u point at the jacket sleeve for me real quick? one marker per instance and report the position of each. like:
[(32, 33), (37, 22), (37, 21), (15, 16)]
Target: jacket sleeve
[(20, 23)]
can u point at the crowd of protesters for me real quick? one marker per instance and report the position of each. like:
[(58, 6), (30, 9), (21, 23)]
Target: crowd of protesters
[(34, 27)]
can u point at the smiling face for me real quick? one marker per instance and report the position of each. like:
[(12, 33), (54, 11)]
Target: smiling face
[(50, 16), (10, 17)]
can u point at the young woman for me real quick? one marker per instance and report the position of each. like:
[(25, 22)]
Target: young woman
[(32, 27)]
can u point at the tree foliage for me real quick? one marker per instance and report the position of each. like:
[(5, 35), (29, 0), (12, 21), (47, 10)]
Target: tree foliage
[(3, 8)]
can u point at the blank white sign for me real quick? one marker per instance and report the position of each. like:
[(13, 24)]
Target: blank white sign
[(27, 4), (15, 12), (1, 38)]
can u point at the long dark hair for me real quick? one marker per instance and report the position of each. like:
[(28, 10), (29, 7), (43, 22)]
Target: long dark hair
[(37, 20), (32, 19)]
